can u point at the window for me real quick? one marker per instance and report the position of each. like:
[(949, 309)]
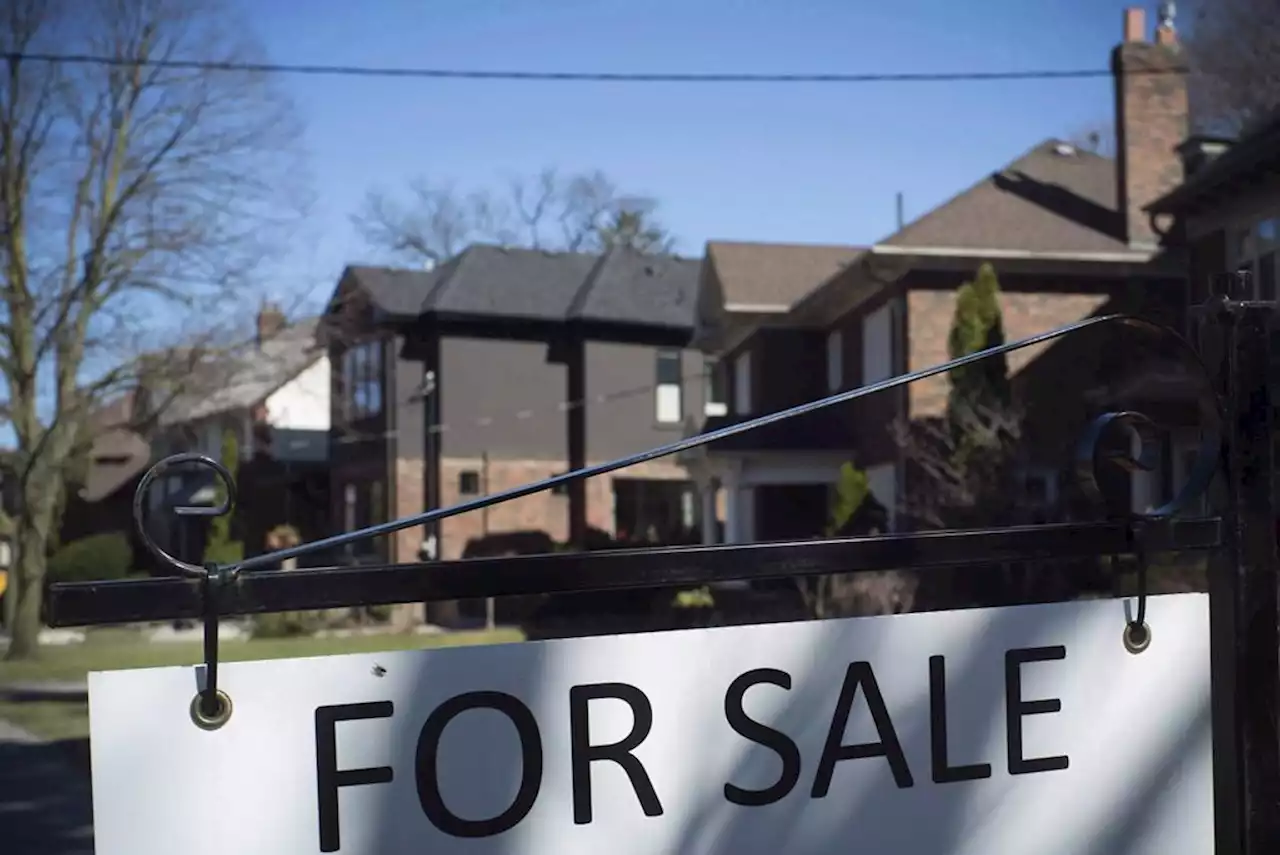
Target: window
[(668, 400), (713, 384), (468, 483), (877, 345), (835, 361), (742, 383), (362, 379), (1253, 249)]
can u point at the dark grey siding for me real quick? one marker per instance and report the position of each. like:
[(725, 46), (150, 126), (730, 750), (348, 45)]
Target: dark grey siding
[(511, 385), (409, 412)]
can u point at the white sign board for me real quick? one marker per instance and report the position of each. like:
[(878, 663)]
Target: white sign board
[(984, 731)]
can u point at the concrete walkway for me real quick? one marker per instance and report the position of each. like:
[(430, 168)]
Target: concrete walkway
[(45, 803)]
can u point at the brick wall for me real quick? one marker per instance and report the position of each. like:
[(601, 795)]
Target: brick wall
[(929, 315), (541, 511)]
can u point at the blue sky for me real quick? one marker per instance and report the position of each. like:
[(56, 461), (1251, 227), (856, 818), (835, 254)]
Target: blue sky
[(808, 162)]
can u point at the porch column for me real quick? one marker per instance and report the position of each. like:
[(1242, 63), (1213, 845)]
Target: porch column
[(709, 488), (739, 509)]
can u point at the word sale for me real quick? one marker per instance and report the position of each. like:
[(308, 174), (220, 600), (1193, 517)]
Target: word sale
[(859, 682)]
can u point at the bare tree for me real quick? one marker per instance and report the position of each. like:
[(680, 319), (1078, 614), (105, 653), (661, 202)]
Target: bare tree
[(1234, 51), (582, 212), (138, 198)]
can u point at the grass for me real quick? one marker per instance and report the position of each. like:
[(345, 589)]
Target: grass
[(109, 650)]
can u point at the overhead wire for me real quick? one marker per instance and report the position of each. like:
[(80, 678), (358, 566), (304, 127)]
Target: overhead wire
[(570, 76)]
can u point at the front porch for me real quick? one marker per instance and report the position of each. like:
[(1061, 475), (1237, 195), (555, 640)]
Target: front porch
[(768, 496)]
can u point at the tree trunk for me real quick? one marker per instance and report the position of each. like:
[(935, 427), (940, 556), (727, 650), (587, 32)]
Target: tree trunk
[(32, 529)]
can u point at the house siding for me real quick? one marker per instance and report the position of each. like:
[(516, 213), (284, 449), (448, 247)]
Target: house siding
[(502, 419)]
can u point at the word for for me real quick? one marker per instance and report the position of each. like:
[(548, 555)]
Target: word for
[(859, 678)]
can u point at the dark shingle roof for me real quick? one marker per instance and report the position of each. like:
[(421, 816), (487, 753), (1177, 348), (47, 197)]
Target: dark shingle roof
[(775, 274), (1053, 198), (247, 376), (491, 282)]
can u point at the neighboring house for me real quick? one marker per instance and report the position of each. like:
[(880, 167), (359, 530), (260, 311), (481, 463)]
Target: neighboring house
[(1226, 210), (273, 396), (503, 367), (1225, 215), (1066, 232)]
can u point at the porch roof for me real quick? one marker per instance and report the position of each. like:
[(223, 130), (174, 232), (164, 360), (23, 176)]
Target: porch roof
[(1254, 155)]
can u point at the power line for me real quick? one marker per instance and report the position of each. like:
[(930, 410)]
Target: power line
[(571, 76)]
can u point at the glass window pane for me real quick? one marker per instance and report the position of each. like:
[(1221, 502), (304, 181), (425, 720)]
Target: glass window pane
[(669, 366)]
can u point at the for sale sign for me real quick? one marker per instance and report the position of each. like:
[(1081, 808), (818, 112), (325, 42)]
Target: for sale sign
[(985, 731)]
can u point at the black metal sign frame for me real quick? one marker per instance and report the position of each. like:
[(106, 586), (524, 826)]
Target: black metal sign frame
[(1239, 359)]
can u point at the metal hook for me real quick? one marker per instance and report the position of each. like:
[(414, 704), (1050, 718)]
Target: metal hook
[(1137, 635), (140, 496), (211, 707)]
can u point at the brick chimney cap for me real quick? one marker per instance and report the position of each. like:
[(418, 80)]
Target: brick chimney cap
[(1135, 24)]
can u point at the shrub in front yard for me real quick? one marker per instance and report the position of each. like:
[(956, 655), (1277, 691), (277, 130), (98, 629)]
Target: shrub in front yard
[(94, 558)]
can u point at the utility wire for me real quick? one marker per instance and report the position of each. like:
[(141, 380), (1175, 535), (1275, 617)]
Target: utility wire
[(570, 76)]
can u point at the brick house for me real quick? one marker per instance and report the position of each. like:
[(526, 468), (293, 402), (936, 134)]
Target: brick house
[(503, 367), (1225, 212), (1067, 233), (272, 394)]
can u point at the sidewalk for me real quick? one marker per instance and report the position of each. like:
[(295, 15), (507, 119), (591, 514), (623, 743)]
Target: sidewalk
[(45, 804)]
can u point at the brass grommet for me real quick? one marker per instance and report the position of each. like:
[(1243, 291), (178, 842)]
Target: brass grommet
[(219, 717), (1137, 637)]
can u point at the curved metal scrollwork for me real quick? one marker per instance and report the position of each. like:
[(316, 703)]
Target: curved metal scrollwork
[(140, 498), (1091, 454), (1092, 451)]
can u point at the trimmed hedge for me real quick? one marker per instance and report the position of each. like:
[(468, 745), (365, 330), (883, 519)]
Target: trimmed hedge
[(95, 558)]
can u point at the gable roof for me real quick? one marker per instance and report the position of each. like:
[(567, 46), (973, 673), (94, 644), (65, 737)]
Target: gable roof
[(774, 276), (1054, 198), (246, 377), (485, 282)]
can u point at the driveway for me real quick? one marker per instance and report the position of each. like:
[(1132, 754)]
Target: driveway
[(45, 804)]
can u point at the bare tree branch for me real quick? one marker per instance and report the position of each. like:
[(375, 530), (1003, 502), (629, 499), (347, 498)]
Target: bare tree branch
[(578, 213), (138, 202), (1234, 50)]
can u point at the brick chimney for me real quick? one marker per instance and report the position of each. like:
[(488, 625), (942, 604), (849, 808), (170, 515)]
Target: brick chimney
[(270, 321), (1151, 118)]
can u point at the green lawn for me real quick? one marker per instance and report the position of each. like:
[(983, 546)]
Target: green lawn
[(106, 650)]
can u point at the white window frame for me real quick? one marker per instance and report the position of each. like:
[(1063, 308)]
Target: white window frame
[(668, 395), (742, 383), (713, 404), (835, 361)]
